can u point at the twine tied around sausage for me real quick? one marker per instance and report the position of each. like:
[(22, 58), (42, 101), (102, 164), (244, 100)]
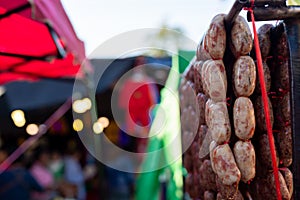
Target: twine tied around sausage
[(265, 101)]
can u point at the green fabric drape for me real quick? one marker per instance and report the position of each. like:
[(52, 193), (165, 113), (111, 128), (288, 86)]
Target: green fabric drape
[(165, 136)]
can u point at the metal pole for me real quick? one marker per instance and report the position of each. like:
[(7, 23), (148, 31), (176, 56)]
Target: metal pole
[(266, 14), (234, 12), (264, 3), (42, 130)]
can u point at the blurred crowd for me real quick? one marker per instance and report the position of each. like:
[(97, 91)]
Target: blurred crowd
[(61, 168), (44, 173)]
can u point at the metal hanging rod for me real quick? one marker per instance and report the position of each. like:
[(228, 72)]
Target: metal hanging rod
[(234, 12), (271, 13), (264, 10)]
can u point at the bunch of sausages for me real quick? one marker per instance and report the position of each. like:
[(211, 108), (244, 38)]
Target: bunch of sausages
[(227, 148)]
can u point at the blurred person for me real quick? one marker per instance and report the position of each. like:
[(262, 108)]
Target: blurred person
[(91, 176), (137, 95), (73, 172), (56, 165), (42, 174), (16, 182), (63, 188), (120, 183)]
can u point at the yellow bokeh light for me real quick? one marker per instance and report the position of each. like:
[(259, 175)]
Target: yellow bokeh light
[(87, 103), (97, 128), (18, 117), (20, 123), (77, 125), (104, 121), (32, 129), (78, 106), (81, 106)]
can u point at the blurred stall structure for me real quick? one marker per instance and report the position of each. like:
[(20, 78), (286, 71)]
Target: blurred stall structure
[(48, 94), (39, 99), (41, 57), (37, 42)]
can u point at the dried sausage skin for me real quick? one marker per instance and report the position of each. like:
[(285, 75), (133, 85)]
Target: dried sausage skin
[(225, 166), (241, 37), (215, 38), (245, 158), (244, 76), (244, 118)]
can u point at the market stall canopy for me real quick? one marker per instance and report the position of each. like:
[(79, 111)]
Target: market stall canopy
[(52, 13), (31, 49), (19, 38)]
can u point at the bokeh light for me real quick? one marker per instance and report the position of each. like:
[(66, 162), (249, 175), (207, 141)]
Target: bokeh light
[(104, 121), (77, 125), (81, 106), (97, 128), (32, 129), (87, 103), (18, 118)]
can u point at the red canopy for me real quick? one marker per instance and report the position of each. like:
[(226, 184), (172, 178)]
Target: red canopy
[(53, 13), (17, 36), (30, 48), (36, 69)]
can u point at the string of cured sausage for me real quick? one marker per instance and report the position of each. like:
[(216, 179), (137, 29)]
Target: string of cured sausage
[(229, 156), (265, 104)]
